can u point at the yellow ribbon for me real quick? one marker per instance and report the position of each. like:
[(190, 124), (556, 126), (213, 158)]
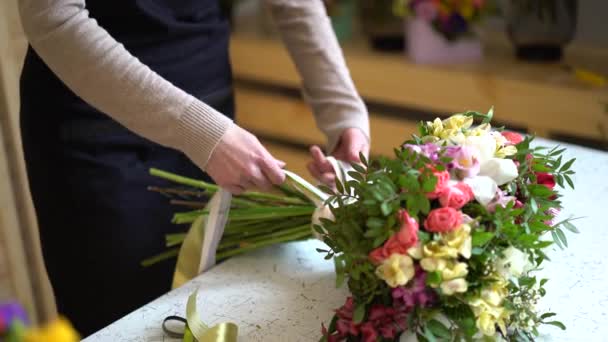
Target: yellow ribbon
[(223, 332)]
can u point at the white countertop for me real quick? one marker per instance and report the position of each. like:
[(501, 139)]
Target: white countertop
[(284, 293)]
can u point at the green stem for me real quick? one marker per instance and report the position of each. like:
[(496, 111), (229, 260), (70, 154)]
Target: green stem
[(174, 239), (161, 257), (257, 238), (294, 237), (213, 188)]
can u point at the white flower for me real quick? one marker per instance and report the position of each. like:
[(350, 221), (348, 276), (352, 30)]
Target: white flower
[(513, 263), (484, 188), (502, 171)]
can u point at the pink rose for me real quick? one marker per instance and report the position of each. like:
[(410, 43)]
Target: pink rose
[(512, 137), (443, 220), (456, 196), (443, 177), (400, 242)]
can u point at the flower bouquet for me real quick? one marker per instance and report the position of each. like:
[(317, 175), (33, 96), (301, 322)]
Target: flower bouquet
[(15, 327), (442, 242), (440, 31)]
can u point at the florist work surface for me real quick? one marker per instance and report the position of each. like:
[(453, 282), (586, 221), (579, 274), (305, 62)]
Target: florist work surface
[(454, 238)]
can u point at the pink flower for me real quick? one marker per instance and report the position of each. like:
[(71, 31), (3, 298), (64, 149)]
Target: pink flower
[(369, 332), (443, 177), (501, 199), (443, 220), (456, 196), (400, 242), (464, 161), (512, 137)]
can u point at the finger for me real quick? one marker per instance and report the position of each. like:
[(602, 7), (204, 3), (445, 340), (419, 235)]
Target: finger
[(319, 158), (281, 163), (328, 179), (314, 170), (259, 179), (272, 171), (234, 189)]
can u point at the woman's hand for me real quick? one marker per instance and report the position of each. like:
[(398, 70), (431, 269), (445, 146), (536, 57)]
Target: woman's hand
[(352, 141), (240, 162)]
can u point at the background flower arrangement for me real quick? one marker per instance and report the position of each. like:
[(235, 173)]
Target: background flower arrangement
[(452, 18), (442, 241)]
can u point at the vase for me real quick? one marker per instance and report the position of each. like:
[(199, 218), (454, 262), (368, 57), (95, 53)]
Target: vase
[(425, 45), (539, 29), (382, 27)]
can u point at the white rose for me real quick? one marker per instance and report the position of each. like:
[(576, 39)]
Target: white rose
[(513, 263)]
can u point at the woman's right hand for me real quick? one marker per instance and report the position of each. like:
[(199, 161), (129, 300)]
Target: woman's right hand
[(240, 162)]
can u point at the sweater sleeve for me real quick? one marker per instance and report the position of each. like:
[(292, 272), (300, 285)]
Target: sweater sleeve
[(103, 73), (327, 86)]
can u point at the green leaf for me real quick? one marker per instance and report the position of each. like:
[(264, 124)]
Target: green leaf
[(339, 186), (429, 335), (556, 239), (556, 324), (569, 181), (375, 222), (480, 238), (477, 251), (547, 315), (438, 329), (567, 166), (363, 159), (562, 236), (429, 183), (424, 236), (386, 208), (433, 278), (340, 280), (359, 314), (356, 175), (379, 240), (318, 229), (358, 168), (568, 225), (526, 281)]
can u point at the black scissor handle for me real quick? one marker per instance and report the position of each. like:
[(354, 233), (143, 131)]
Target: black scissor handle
[(171, 333)]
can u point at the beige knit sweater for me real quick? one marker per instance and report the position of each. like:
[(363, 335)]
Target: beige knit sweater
[(103, 73)]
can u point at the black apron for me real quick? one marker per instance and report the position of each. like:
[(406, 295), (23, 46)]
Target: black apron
[(89, 175)]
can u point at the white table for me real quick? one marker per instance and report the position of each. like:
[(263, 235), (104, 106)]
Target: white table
[(284, 293)]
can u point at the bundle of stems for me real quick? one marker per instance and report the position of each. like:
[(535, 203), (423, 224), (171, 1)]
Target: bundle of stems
[(255, 220)]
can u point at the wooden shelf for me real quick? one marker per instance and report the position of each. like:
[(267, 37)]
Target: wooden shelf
[(545, 99)]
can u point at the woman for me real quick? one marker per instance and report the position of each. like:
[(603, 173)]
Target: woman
[(110, 89)]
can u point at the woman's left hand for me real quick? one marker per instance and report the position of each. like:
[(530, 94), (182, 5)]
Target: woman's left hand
[(352, 141)]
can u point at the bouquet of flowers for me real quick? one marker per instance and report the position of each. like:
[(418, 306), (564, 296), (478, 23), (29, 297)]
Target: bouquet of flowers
[(14, 327), (442, 241), (452, 18)]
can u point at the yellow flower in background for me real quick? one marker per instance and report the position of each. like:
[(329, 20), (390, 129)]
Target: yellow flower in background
[(437, 249), (458, 270), (458, 122), (488, 308), (59, 330), (397, 270), (467, 10), (480, 130)]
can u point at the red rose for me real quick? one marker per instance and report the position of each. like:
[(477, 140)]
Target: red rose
[(443, 220), (443, 177), (400, 242), (456, 196), (512, 137), (545, 179)]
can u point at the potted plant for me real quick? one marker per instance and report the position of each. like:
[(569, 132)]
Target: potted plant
[(540, 29), (442, 31)]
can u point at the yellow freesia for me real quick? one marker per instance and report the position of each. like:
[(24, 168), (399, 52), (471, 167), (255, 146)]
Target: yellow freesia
[(437, 249), (397, 270), (488, 308), (458, 270), (505, 151), (458, 122), (460, 240), (453, 286), (59, 330)]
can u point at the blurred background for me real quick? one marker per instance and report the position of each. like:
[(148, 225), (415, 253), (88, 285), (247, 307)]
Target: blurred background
[(542, 64)]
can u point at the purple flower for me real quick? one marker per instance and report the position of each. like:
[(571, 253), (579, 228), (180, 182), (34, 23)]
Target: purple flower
[(454, 25), (416, 294), (428, 150), (11, 311)]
